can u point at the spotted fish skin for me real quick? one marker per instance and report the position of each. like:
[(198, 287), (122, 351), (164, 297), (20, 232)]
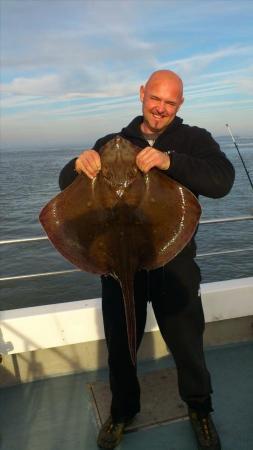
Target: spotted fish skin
[(122, 221)]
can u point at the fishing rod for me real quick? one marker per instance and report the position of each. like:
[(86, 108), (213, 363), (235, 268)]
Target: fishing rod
[(237, 148)]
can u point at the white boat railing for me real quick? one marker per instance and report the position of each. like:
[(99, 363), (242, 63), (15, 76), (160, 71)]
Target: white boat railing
[(202, 222), (67, 271), (63, 272), (22, 329), (81, 321)]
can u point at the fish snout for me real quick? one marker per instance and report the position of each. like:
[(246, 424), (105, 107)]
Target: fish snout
[(120, 188)]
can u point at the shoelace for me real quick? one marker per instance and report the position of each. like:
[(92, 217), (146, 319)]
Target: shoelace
[(113, 427), (206, 428)]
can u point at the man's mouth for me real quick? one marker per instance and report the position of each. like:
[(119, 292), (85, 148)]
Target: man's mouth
[(157, 116)]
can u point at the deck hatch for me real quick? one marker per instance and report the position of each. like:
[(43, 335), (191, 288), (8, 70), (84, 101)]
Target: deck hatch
[(160, 400)]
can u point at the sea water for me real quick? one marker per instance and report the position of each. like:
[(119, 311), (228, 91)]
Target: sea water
[(29, 179)]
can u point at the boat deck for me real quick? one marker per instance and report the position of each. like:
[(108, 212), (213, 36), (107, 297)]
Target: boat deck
[(59, 413)]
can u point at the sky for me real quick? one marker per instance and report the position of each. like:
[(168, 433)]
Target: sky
[(71, 70)]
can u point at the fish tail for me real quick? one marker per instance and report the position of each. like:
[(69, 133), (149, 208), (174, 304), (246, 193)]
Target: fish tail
[(127, 286)]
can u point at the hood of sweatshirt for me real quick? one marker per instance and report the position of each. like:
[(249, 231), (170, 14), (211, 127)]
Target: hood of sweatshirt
[(133, 132)]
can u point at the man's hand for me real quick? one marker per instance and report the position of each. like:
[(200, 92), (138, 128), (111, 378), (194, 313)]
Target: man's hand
[(150, 157), (88, 162)]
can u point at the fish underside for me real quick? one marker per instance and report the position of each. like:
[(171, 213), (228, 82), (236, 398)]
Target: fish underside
[(122, 221)]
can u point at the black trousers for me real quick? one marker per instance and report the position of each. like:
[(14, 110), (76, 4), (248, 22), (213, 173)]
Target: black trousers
[(174, 293)]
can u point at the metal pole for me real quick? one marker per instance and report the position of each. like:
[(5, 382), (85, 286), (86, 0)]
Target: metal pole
[(237, 148)]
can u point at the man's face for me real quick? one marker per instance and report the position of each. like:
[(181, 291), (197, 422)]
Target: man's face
[(161, 100)]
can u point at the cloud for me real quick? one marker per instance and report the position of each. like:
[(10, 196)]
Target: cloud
[(56, 88), (217, 104), (195, 64), (244, 83), (45, 85), (62, 35), (83, 59)]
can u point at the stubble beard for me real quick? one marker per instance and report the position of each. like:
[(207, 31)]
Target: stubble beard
[(156, 128)]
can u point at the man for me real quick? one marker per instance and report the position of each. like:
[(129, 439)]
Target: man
[(190, 156)]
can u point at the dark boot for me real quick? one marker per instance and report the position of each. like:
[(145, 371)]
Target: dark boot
[(204, 430), (111, 432)]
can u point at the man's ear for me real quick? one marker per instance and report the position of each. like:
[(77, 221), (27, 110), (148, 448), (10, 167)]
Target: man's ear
[(142, 91), (181, 102)]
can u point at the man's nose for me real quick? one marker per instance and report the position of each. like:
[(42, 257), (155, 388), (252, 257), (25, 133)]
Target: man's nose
[(161, 107)]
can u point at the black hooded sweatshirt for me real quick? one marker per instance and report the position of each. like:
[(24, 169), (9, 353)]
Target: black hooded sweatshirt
[(196, 159)]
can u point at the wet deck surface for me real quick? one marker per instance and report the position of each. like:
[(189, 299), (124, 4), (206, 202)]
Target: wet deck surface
[(59, 413)]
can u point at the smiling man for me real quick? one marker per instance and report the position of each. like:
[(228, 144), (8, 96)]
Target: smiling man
[(161, 99), (191, 156)]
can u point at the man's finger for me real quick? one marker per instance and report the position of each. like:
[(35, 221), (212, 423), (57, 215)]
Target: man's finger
[(88, 163)]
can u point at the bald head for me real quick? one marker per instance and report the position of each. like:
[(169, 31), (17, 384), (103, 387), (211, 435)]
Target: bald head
[(166, 77), (161, 98)]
